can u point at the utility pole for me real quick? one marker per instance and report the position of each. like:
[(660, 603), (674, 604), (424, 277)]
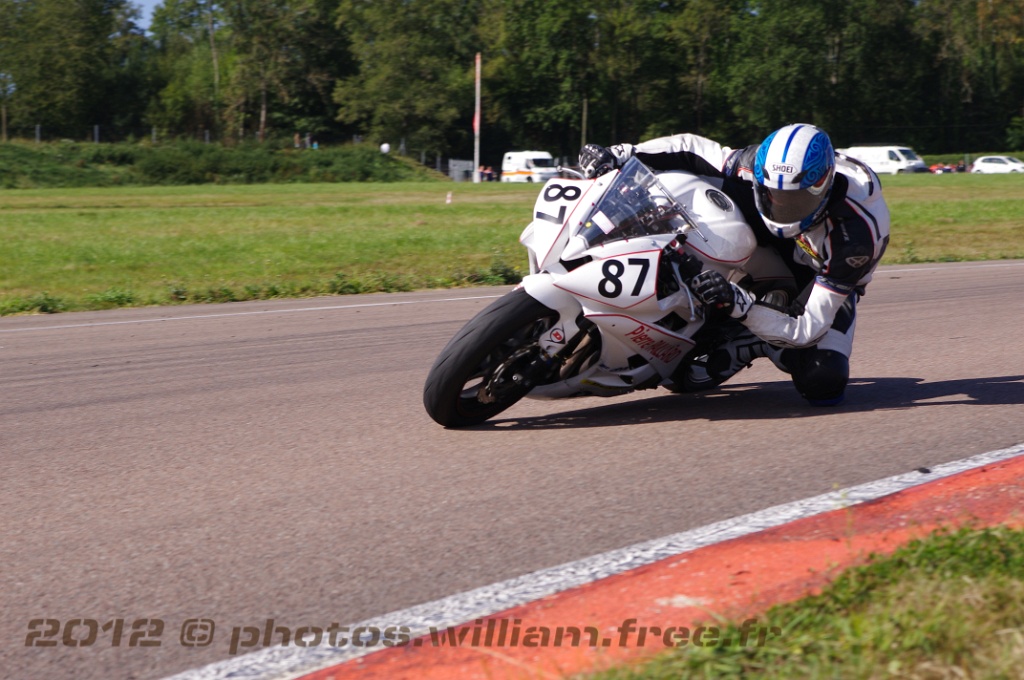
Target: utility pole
[(583, 125), (6, 90), (476, 126)]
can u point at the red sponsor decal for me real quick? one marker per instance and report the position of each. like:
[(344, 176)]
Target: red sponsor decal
[(659, 349)]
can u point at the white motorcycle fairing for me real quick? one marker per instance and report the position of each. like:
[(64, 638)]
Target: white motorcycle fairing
[(606, 308), (598, 252)]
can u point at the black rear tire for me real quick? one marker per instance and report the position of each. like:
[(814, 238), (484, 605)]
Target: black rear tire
[(481, 371)]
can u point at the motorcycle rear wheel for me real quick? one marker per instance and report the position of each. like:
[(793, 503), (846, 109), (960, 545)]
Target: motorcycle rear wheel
[(491, 363)]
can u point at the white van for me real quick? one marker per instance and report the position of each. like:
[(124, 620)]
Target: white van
[(528, 166), (887, 160)]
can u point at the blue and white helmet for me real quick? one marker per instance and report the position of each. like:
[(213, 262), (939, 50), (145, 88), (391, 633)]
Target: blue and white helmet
[(793, 173)]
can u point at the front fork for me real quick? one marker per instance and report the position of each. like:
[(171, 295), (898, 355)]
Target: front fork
[(541, 288)]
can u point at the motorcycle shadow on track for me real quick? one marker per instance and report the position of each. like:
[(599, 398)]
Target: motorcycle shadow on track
[(778, 400)]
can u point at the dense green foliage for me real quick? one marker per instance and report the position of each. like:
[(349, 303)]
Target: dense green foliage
[(945, 76), (71, 164)]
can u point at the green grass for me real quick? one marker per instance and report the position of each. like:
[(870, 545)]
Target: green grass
[(949, 606), (947, 218), (96, 248), (77, 248)]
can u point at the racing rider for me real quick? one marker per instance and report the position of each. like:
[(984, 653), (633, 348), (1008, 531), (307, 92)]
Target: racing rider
[(822, 213)]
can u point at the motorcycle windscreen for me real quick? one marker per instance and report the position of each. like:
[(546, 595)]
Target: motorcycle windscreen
[(636, 204)]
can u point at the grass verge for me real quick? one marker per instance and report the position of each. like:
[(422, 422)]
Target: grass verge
[(81, 249), (96, 248), (955, 217), (948, 606)]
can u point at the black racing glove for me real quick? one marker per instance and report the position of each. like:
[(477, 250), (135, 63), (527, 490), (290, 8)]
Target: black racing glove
[(595, 160), (719, 295)]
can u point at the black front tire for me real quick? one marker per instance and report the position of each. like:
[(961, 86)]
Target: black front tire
[(490, 364)]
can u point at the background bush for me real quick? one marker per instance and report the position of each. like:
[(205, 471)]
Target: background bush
[(72, 164)]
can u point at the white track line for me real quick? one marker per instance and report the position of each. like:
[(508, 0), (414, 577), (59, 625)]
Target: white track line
[(193, 317), (978, 265), (222, 315), (283, 663)]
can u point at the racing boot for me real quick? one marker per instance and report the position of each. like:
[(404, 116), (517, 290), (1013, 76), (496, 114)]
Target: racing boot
[(726, 360), (735, 355)]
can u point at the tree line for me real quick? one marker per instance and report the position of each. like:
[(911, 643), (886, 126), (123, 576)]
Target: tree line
[(945, 76)]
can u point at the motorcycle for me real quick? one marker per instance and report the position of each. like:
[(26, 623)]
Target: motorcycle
[(606, 309)]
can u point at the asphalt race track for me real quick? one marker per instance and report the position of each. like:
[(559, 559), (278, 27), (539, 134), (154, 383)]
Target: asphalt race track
[(272, 460)]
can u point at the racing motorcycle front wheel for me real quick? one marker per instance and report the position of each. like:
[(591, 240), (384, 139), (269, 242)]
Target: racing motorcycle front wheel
[(492, 363)]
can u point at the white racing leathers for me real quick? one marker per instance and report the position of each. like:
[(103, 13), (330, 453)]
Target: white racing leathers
[(831, 263)]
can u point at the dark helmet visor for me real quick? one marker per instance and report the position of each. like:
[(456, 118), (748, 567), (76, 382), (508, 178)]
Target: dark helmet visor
[(785, 206)]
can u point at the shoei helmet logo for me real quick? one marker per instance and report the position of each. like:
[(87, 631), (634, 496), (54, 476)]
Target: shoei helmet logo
[(783, 169)]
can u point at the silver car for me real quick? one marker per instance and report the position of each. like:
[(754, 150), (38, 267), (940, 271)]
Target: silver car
[(997, 164)]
